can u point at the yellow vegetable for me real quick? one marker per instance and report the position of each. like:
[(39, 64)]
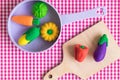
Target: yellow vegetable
[(30, 35), (22, 40)]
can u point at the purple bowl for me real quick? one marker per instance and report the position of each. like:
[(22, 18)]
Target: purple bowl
[(16, 30)]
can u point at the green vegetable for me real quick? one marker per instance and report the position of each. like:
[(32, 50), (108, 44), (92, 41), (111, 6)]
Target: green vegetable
[(32, 33), (39, 9)]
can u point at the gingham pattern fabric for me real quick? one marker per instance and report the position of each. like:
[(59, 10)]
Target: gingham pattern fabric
[(19, 65)]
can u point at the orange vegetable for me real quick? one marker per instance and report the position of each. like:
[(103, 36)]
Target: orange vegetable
[(80, 52), (25, 20)]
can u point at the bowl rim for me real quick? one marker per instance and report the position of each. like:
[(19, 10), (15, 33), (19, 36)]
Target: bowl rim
[(11, 38)]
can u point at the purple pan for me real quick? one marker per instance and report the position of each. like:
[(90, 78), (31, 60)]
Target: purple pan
[(39, 45)]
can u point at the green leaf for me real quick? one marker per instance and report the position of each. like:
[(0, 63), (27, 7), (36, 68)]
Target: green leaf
[(103, 39)]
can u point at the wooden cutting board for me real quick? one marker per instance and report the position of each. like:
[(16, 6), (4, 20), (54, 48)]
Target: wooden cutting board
[(88, 67)]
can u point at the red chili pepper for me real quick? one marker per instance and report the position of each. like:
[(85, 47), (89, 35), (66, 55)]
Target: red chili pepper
[(80, 52)]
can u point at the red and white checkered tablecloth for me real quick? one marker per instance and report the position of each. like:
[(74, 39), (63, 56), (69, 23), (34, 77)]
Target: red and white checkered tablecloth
[(19, 65)]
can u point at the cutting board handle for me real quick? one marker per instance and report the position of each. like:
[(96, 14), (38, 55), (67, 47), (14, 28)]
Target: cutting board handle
[(56, 72)]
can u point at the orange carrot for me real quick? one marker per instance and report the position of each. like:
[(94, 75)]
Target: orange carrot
[(25, 20)]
